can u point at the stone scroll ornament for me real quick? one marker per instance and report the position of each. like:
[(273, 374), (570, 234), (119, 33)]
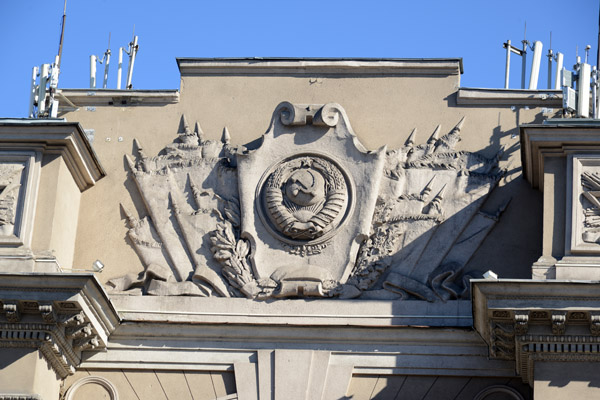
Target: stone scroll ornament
[(308, 212)]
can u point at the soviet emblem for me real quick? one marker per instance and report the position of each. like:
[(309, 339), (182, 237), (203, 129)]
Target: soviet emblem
[(304, 199)]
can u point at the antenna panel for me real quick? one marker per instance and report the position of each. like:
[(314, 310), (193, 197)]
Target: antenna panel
[(569, 99)]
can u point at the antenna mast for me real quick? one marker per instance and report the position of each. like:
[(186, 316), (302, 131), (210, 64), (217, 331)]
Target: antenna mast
[(62, 35), (106, 60)]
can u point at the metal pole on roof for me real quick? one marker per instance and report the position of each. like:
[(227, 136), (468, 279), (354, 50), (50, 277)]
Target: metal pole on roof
[(550, 58), (120, 68), (62, 35), (524, 58), (106, 63), (597, 82), (507, 73)]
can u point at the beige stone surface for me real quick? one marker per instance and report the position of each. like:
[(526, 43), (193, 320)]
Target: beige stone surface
[(201, 385), (292, 373), (555, 192), (57, 220), (223, 383), (366, 387), (265, 373), (387, 386), (174, 385), (246, 381), (575, 380), (337, 381), (146, 385), (155, 384), (26, 372), (362, 386)]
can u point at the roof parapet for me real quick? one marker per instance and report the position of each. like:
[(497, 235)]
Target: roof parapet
[(320, 66)]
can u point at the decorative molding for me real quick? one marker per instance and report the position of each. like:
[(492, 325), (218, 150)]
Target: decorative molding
[(521, 322), (554, 139), (117, 98), (318, 66), (563, 327), (509, 97), (583, 204), (36, 316), (11, 312), (66, 139), (92, 380), (19, 180), (559, 319), (146, 343)]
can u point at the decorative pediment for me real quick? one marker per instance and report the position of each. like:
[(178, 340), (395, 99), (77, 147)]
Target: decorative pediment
[(308, 211)]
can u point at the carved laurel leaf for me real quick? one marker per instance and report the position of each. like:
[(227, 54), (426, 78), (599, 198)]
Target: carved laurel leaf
[(232, 254), (223, 255), (242, 248), (232, 214)]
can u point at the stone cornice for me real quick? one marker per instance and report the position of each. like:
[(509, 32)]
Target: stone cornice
[(295, 312), (319, 66), (55, 137), (530, 321), (109, 97), (158, 332), (62, 315), (509, 97), (371, 350), (554, 140)]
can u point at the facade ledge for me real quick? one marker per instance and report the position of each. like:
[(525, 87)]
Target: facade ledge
[(66, 139), (554, 140), (530, 321), (62, 315), (319, 66), (375, 337), (456, 313), (509, 97), (74, 98)]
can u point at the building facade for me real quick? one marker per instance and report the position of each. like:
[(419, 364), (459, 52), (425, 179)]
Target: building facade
[(301, 229)]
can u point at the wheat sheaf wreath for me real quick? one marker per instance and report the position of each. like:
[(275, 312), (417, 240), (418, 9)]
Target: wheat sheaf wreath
[(304, 196)]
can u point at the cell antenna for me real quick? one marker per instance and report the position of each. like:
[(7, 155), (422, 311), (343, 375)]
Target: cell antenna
[(133, 49)]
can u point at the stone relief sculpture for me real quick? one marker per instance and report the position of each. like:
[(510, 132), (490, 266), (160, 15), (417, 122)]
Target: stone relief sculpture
[(10, 182), (591, 192), (309, 212)]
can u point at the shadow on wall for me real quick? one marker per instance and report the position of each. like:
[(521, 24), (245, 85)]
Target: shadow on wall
[(556, 374)]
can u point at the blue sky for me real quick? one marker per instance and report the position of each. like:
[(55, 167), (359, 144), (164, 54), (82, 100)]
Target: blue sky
[(473, 30)]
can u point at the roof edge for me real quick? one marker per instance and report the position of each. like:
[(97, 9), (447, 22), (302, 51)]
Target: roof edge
[(326, 66)]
